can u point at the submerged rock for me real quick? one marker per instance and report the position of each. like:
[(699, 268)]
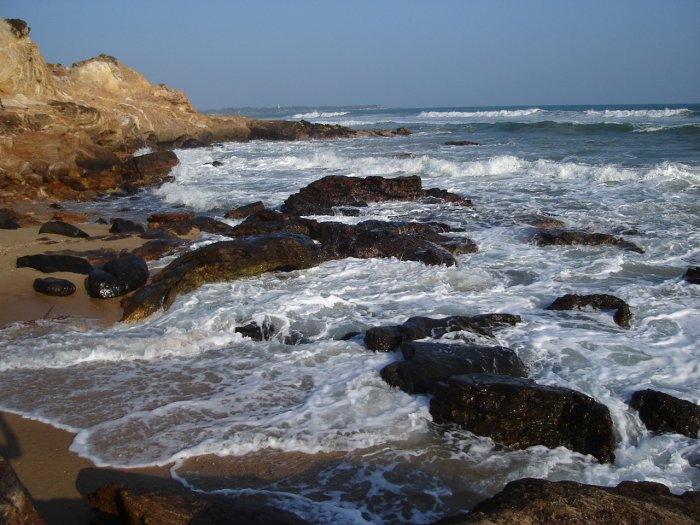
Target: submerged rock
[(63, 228), (520, 413), (118, 277), (622, 315), (426, 363), (118, 504), (227, 260), (157, 220), (50, 263), (538, 501), (53, 286), (462, 143), (693, 275), (556, 237), (664, 413)]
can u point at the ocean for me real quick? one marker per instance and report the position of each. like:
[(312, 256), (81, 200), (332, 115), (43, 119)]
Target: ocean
[(184, 387)]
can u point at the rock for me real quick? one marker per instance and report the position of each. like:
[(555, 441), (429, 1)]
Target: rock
[(403, 131), (118, 277), (96, 257), (461, 143), (156, 248), (664, 413), (125, 226), (693, 275), (50, 263), (55, 287), (227, 260), (216, 163), (440, 195), (16, 506), (538, 501), (542, 221), (426, 363), (257, 332), (118, 504), (622, 315), (157, 220), (69, 216), (149, 169), (63, 228), (8, 220), (319, 197), (388, 338), (520, 413), (556, 237), (244, 211)]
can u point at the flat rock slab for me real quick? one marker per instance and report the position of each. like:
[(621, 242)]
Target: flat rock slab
[(557, 237), (662, 412), (520, 413), (49, 263), (426, 363), (538, 501), (622, 316)]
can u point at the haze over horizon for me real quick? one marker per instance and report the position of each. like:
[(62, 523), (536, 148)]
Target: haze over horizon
[(393, 53)]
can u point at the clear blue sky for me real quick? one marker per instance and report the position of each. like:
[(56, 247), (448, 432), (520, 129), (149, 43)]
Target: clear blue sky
[(392, 52)]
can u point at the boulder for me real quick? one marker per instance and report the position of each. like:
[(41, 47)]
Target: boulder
[(538, 501), (16, 506), (125, 226), (55, 287), (244, 211), (664, 413), (257, 332), (156, 248), (63, 228), (520, 413), (388, 338), (121, 505), (557, 237), (692, 275), (222, 261), (622, 315), (157, 220), (118, 277), (50, 263), (8, 220), (426, 363)]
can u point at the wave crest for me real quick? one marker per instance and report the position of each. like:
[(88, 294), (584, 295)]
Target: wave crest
[(481, 114), (639, 113), (319, 114)]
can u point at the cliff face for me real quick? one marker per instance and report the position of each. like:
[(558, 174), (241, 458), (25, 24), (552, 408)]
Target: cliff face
[(69, 132)]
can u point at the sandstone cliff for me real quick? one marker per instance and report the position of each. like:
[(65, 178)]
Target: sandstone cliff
[(69, 132)]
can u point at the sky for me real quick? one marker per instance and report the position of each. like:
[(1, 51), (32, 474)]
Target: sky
[(395, 53)]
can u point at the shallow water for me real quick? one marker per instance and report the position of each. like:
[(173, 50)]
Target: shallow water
[(183, 384)]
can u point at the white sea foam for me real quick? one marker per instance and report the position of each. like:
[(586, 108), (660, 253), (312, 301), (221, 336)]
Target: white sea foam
[(638, 113), (320, 114), (501, 113)]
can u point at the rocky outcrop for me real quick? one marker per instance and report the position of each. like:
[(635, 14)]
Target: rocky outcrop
[(664, 413), (70, 132), (538, 501), (622, 316), (427, 363), (520, 413), (222, 261), (118, 277), (16, 507), (321, 196), (557, 237), (53, 286), (388, 338), (121, 505)]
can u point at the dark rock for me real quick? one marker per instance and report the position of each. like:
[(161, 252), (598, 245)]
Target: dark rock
[(149, 169), (8, 220), (519, 413), (125, 226), (100, 220), (426, 363), (96, 257), (118, 277), (50, 263), (216, 163), (693, 275), (348, 336), (16, 506), (445, 196), (157, 220), (228, 260), (156, 248), (257, 332), (664, 413), (121, 505), (622, 315), (555, 237), (244, 211), (388, 338), (63, 228), (319, 197), (55, 287), (461, 143), (403, 131), (538, 501)]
